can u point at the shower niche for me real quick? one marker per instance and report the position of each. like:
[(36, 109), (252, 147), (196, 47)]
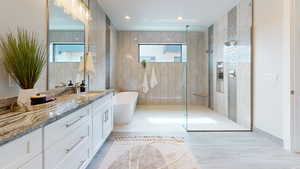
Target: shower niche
[(220, 77)]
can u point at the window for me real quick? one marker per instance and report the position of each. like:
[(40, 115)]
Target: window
[(63, 52), (162, 52)]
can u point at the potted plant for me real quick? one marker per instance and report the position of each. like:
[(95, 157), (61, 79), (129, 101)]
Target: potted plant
[(144, 64), (24, 59)]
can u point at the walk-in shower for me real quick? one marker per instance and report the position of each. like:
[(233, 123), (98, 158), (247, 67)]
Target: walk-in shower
[(218, 73), (197, 79)]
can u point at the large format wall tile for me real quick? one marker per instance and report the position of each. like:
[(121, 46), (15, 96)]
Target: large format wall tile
[(171, 76), (238, 56)]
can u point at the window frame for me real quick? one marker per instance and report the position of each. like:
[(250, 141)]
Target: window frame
[(139, 51), (53, 44)]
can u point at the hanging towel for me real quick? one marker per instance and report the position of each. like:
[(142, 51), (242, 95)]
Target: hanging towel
[(81, 66), (89, 67), (145, 87), (153, 81)]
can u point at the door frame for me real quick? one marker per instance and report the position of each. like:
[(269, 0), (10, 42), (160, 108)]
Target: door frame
[(291, 118)]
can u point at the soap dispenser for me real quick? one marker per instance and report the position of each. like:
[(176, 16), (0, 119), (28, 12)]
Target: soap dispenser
[(70, 84), (82, 86)]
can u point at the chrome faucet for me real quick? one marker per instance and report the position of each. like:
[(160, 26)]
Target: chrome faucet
[(77, 87)]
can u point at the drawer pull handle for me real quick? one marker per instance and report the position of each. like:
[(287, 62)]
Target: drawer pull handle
[(74, 122), (104, 117), (76, 144), (28, 147), (81, 164)]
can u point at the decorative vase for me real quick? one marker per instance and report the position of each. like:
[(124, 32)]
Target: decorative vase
[(24, 96)]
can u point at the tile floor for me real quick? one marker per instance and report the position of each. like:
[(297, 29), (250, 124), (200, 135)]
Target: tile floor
[(242, 150), (227, 150), (171, 118)]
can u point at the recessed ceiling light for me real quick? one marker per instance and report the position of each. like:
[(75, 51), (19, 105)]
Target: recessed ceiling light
[(127, 17), (179, 18)]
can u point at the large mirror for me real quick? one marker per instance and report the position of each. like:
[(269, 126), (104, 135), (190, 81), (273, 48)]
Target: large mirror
[(66, 44)]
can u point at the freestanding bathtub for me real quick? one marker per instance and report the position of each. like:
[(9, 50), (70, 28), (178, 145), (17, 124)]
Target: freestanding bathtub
[(124, 107)]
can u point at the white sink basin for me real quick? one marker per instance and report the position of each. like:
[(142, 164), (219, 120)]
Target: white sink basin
[(86, 96)]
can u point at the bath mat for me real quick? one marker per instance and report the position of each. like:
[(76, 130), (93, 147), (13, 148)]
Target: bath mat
[(149, 153)]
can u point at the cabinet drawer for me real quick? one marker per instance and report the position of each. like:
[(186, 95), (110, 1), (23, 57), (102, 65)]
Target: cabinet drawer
[(67, 146), (36, 163), (99, 104), (22, 150), (59, 129), (78, 159)]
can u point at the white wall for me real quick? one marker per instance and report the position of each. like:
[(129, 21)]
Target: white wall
[(279, 114), (30, 15), (268, 66)]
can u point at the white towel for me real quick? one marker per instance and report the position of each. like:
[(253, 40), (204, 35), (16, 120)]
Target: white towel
[(81, 65), (90, 68), (145, 87), (89, 65), (153, 81)]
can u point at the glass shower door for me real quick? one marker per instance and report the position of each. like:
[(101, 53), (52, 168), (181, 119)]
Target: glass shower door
[(196, 78), (184, 84), (218, 73)]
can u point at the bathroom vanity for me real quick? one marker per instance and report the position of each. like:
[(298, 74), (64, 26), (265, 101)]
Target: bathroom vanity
[(64, 137)]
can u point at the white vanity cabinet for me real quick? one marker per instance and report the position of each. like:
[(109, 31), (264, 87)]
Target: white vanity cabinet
[(67, 139), (68, 143), (72, 142), (102, 120), (23, 153)]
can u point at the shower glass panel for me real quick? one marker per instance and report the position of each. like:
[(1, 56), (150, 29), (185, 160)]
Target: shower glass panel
[(197, 78), (218, 73)]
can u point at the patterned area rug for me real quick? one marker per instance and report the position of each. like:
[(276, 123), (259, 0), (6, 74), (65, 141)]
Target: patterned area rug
[(149, 153)]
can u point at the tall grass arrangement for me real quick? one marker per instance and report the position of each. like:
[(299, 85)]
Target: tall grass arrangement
[(23, 57)]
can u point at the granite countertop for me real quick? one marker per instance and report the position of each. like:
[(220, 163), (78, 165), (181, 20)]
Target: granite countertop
[(14, 125)]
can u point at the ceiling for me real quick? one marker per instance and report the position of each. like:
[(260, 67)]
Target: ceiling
[(59, 20), (157, 15)]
